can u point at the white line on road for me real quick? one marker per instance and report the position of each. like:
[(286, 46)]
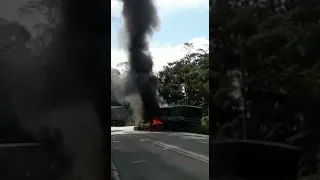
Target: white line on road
[(134, 162), (182, 151), (193, 155), (203, 142)]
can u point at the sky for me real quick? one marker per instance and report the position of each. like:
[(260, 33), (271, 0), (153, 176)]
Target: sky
[(181, 21)]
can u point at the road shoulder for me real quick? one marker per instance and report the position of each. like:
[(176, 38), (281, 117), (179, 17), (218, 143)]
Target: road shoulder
[(114, 172)]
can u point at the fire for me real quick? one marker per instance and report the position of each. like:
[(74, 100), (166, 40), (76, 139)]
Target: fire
[(156, 121), (155, 124)]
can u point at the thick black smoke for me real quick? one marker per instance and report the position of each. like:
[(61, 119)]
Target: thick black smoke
[(141, 19)]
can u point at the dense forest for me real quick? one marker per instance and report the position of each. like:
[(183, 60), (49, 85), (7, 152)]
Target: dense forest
[(270, 49)]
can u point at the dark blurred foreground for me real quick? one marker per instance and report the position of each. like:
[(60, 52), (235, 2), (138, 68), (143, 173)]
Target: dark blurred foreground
[(249, 160), (24, 161)]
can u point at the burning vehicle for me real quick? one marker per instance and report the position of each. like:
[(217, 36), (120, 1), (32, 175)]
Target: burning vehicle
[(177, 118), (156, 124)]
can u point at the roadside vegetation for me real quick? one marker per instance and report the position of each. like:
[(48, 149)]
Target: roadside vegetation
[(265, 75)]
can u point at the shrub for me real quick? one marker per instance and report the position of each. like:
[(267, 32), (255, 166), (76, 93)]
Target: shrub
[(205, 122)]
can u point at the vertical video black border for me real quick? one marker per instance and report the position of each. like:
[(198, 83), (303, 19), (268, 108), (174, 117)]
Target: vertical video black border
[(98, 29), (211, 123), (265, 160), (103, 97), (108, 93), (101, 72)]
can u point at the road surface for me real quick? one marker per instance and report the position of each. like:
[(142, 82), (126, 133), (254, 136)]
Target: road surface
[(140, 155)]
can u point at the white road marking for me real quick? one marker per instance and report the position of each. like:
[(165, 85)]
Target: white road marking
[(187, 136), (179, 150), (134, 162), (115, 141), (203, 142), (182, 151)]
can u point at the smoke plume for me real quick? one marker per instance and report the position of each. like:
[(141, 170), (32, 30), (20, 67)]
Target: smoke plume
[(141, 20)]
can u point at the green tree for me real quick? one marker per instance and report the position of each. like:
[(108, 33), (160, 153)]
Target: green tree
[(186, 81), (275, 52), (115, 77)]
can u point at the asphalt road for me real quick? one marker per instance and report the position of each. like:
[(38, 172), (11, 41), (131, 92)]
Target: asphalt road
[(159, 155)]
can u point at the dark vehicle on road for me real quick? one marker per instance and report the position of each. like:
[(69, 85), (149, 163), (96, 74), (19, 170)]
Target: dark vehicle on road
[(119, 115), (180, 117)]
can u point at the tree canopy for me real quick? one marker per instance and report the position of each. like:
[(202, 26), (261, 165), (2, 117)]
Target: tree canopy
[(273, 47), (186, 81)]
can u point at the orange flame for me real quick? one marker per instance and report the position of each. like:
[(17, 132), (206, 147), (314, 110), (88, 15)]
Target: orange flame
[(155, 121)]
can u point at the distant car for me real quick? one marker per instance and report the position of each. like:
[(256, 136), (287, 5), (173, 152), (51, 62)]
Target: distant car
[(119, 115)]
